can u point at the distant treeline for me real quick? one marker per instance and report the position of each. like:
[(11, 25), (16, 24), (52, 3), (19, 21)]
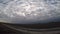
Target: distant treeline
[(38, 25)]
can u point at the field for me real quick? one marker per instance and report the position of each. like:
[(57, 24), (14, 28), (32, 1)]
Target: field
[(50, 28)]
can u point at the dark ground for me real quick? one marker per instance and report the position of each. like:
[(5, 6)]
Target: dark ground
[(6, 30)]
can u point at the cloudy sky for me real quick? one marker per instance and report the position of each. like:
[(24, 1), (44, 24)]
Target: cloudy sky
[(29, 11)]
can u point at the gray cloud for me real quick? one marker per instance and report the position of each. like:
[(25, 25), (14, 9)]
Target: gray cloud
[(28, 12)]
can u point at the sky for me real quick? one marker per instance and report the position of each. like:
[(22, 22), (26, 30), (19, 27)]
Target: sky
[(29, 11)]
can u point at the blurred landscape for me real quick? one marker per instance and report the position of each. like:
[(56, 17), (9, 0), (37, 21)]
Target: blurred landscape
[(4, 29)]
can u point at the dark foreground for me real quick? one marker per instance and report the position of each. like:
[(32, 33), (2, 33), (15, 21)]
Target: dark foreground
[(50, 28)]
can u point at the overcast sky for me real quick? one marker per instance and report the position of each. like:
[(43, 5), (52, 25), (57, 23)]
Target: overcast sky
[(29, 11)]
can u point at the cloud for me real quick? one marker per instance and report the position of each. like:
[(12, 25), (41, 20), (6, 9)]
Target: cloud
[(28, 12)]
